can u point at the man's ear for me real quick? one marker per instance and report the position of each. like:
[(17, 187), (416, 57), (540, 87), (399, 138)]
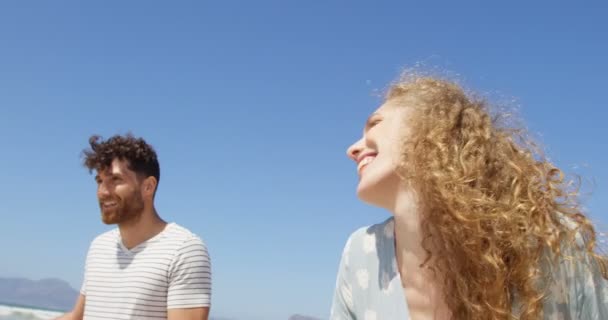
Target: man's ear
[(149, 186)]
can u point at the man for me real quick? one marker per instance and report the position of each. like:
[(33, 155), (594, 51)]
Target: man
[(146, 268)]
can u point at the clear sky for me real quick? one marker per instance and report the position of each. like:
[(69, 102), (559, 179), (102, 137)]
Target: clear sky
[(251, 106)]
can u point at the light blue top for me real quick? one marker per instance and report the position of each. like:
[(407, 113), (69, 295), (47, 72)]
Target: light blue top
[(368, 286)]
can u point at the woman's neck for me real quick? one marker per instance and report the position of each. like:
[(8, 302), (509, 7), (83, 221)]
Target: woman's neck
[(423, 289), (408, 234)]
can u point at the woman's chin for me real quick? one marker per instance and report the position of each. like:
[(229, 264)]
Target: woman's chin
[(380, 193), (369, 196)]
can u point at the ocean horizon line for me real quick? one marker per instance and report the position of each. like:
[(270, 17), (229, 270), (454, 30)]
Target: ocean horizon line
[(31, 307)]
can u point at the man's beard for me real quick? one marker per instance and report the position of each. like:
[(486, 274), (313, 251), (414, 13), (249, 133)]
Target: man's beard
[(127, 209)]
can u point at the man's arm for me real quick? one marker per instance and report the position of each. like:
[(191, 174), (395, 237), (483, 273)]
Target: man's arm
[(77, 313), (189, 292), (188, 314)]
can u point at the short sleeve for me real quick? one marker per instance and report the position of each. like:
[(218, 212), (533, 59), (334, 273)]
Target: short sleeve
[(579, 290), (190, 276), (342, 304), (83, 288), (593, 294)]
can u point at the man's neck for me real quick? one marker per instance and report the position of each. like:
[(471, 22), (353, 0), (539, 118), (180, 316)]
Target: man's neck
[(141, 229)]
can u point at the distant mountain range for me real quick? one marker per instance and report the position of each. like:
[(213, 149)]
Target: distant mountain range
[(55, 294), (51, 294)]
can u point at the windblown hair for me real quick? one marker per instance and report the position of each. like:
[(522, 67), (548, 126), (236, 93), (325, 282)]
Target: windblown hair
[(140, 156), (494, 206)]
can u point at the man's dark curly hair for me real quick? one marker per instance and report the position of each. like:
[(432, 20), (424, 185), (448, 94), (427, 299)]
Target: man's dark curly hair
[(140, 156)]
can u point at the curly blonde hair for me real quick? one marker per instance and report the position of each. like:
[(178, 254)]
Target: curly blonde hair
[(494, 205)]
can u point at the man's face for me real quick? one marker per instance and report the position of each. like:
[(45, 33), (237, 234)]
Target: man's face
[(119, 193)]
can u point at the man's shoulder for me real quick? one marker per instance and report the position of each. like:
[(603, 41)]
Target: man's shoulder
[(105, 238), (179, 233)]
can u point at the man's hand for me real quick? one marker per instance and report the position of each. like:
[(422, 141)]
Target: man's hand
[(77, 313)]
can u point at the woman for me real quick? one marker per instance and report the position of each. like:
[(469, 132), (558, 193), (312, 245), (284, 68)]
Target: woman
[(482, 226)]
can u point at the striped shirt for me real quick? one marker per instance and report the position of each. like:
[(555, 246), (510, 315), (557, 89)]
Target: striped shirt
[(171, 270)]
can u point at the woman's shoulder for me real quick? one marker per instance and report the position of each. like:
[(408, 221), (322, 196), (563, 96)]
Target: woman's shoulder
[(370, 239), (378, 231), (577, 285)]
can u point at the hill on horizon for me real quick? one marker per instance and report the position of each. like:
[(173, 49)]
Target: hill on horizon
[(48, 293)]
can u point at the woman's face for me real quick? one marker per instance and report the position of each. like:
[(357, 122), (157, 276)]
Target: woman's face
[(378, 153)]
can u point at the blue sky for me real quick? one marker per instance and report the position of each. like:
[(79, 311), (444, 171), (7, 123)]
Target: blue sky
[(251, 106)]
